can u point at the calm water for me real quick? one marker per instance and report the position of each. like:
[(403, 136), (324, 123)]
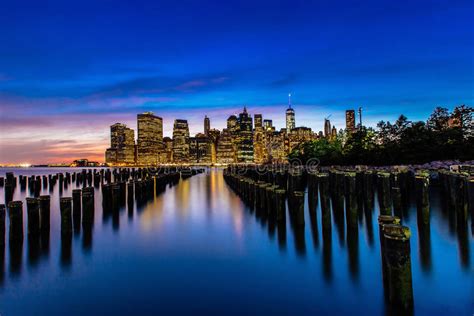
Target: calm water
[(197, 249)]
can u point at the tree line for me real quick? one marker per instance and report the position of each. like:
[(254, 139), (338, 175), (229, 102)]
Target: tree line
[(444, 136)]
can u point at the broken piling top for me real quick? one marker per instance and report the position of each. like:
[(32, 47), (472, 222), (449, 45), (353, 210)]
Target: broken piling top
[(15, 205), (280, 191), (44, 198), (33, 202), (88, 191), (396, 232), (383, 174), (65, 201), (388, 220), (298, 194)]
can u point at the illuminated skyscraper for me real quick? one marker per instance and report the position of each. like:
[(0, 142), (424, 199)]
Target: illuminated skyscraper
[(290, 116), (245, 138), (167, 155), (232, 124), (225, 148), (258, 121), (207, 125), (327, 128), (258, 140), (350, 120), (122, 145), (200, 149), (180, 141), (299, 135), (268, 125), (333, 132), (150, 138)]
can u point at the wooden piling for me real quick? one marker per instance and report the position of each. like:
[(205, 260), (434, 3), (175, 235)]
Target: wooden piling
[(76, 204), (396, 249), (65, 206), (298, 204), (45, 210), (280, 205), (2, 225), (383, 189), (351, 199), (422, 183), (15, 210), (32, 209), (88, 205)]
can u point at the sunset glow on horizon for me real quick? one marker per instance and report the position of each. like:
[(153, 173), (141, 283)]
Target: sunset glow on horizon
[(69, 71)]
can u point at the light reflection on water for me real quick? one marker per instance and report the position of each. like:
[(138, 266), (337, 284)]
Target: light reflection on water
[(198, 248)]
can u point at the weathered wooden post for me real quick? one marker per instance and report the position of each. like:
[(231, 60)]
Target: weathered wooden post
[(385, 220), (422, 183), (251, 192), (65, 206), (8, 192), (298, 204), (397, 200), (312, 191), (76, 208), (15, 210), (351, 199), (32, 209), (45, 206), (263, 200), (115, 196), (280, 204), (130, 192), (270, 196), (323, 180), (470, 194), (384, 193), (2, 225), (396, 249), (88, 205)]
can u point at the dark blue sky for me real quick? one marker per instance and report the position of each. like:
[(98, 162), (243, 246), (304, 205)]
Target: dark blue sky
[(66, 65)]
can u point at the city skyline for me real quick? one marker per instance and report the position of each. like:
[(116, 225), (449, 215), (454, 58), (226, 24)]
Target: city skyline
[(245, 139), (347, 119), (92, 64)]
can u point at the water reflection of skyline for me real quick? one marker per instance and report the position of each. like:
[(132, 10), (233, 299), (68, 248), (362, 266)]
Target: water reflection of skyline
[(205, 203)]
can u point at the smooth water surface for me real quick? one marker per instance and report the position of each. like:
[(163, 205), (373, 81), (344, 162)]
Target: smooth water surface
[(196, 248)]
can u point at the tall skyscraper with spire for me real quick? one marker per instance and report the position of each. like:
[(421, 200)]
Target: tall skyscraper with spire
[(290, 116), (327, 127)]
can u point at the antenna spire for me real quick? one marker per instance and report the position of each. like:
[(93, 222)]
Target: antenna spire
[(289, 100)]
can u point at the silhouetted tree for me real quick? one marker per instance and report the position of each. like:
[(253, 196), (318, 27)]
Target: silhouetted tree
[(444, 136)]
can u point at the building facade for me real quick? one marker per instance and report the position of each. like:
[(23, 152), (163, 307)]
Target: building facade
[(122, 145), (327, 128), (207, 125), (350, 120), (150, 139), (290, 119), (200, 149), (225, 148), (180, 141), (245, 138)]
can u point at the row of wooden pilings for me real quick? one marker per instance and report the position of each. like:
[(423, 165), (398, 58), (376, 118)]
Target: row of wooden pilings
[(267, 189), (84, 178), (81, 205)]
